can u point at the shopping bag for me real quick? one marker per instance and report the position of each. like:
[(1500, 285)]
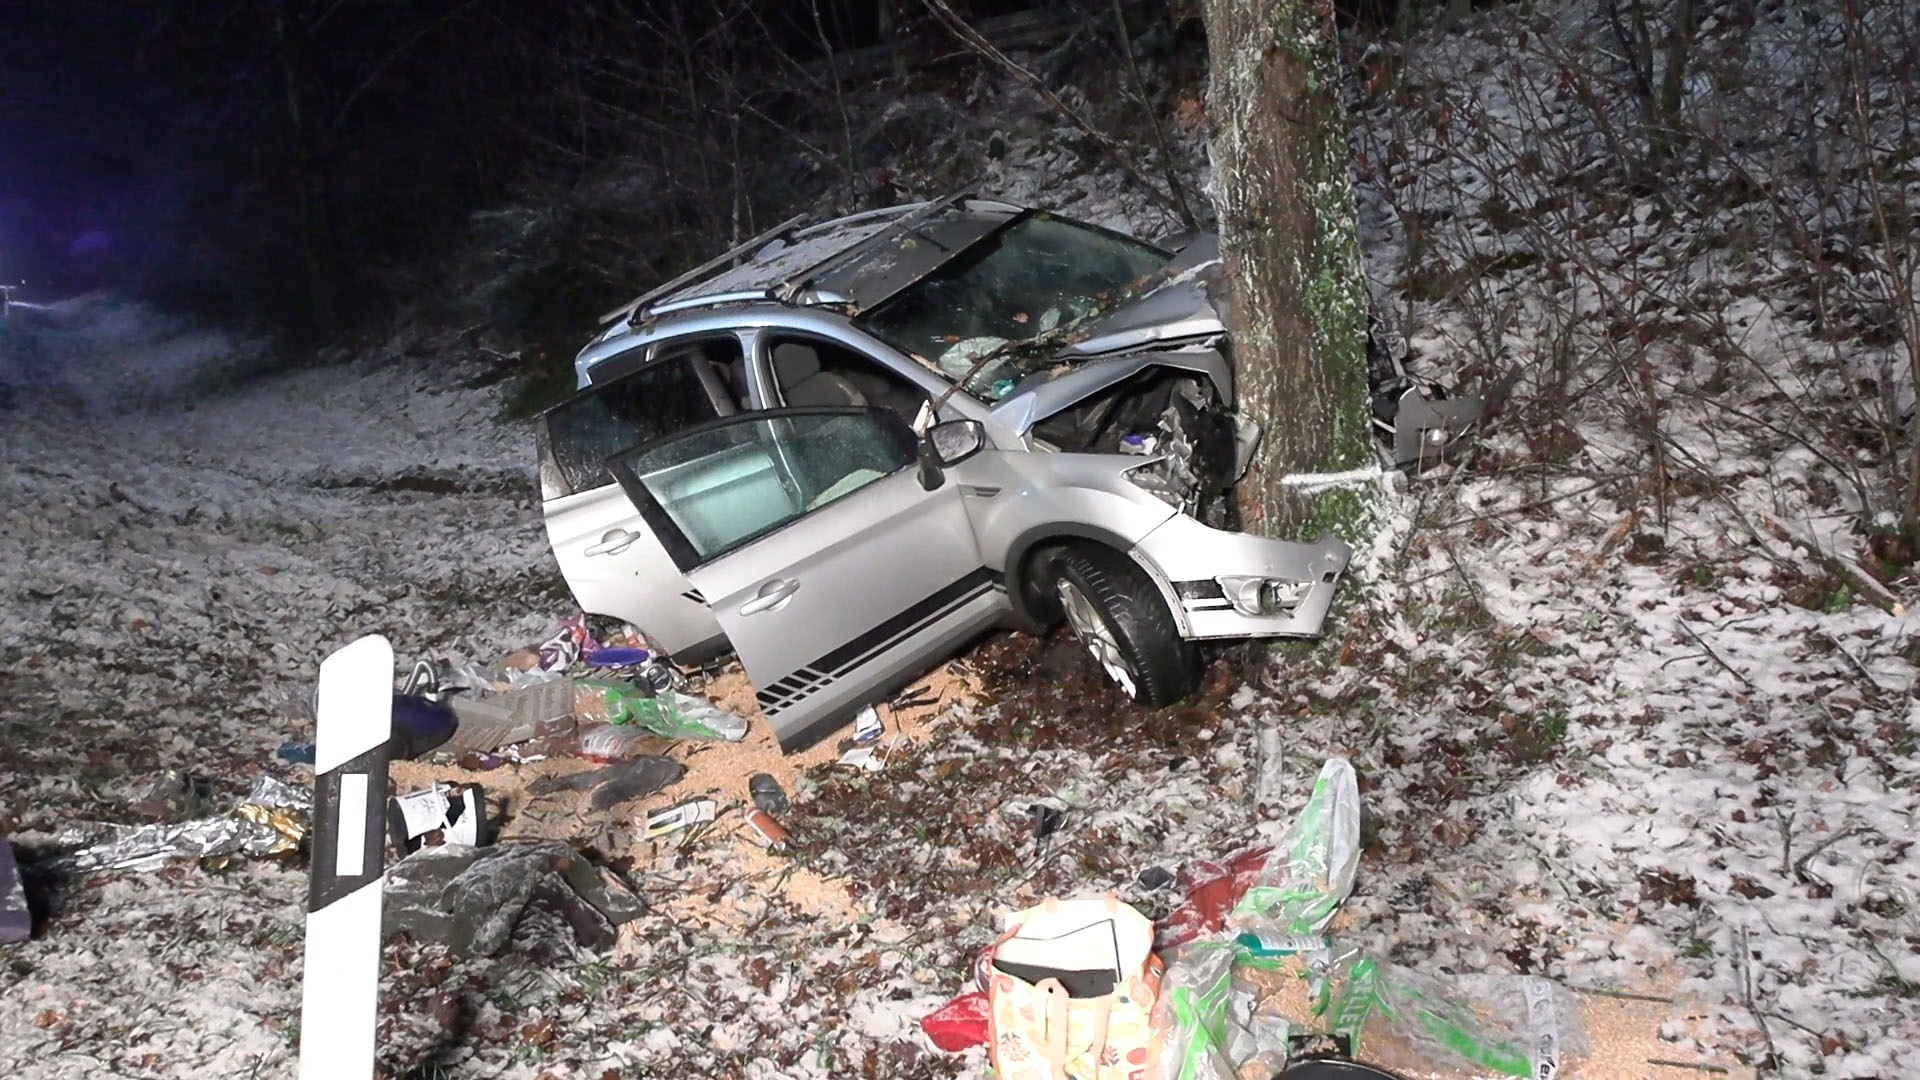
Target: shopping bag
[(1071, 992)]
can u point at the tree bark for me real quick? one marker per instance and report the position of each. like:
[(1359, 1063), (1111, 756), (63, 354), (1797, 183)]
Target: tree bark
[(1289, 238)]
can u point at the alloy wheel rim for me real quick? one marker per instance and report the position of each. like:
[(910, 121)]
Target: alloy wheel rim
[(1092, 631)]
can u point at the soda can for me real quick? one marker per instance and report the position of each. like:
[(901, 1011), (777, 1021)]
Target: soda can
[(762, 827)]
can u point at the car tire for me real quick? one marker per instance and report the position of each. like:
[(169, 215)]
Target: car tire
[(1114, 609)]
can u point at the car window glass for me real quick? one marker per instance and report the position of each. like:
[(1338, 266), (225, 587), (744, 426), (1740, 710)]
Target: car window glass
[(812, 371), (726, 485), (1017, 296), (650, 403)]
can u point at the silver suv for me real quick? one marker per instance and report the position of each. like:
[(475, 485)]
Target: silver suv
[(841, 451)]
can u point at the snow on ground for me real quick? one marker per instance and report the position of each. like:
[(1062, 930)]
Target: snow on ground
[(1616, 724), (176, 569)]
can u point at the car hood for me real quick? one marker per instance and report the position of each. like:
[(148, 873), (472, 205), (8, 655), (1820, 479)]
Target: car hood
[(1164, 326), (1178, 304)]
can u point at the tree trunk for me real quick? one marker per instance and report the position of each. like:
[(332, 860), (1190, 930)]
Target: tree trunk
[(1288, 234)]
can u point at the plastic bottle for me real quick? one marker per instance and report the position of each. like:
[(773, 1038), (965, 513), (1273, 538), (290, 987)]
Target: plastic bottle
[(612, 742)]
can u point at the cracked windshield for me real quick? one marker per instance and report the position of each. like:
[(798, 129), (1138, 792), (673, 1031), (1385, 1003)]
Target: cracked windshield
[(1012, 300)]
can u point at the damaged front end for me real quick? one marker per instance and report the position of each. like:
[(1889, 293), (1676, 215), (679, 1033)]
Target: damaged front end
[(1194, 449), (1177, 322)]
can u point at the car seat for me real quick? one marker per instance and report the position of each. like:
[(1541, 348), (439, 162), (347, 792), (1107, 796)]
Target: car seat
[(796, 367)]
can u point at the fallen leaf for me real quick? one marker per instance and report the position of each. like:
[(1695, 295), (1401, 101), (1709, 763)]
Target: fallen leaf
[(47, 1019)]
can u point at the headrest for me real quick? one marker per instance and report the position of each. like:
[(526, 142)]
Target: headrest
[(793, 361)]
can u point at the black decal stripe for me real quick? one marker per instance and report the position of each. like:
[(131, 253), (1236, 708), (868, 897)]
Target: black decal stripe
[(963, 591), (902, 624), (956, 604)]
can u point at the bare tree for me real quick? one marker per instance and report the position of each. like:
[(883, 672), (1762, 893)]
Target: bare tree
[(1284, 196)]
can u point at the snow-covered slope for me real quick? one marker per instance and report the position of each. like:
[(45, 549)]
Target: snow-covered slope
[(1616, 722)]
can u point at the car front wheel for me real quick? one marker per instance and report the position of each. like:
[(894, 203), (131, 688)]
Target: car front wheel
[(1120, 617)]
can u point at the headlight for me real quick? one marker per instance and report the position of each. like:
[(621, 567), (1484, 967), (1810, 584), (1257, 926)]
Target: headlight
[(1263, 596)]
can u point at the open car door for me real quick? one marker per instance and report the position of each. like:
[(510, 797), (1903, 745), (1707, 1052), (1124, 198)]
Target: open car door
[(612, 561), (837, 577)]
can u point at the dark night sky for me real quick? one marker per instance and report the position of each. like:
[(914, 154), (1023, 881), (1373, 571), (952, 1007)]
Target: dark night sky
[(230, 154)]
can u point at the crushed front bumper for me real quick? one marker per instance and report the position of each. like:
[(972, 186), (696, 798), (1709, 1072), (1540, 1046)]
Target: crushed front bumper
[(1189, 559)]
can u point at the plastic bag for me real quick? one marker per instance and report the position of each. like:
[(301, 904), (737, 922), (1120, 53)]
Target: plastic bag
[(959, 1024), (1190, 1016), (492, 678), (1210, 1024), (613, 742), (1213, 896), (671, 715), (1453, 1027), (1310, 872)]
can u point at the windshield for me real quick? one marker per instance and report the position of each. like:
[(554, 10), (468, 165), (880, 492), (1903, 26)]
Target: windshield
[(1013, 299)]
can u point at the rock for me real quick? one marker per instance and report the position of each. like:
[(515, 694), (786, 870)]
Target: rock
[(470, 899)]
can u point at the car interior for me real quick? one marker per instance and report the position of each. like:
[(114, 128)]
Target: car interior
[(809, 371)]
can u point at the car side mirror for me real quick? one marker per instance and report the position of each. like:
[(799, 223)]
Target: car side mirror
[(948, 444), (956, 440)]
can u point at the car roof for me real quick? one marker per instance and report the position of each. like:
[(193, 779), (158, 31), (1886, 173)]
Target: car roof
[(853, 262)]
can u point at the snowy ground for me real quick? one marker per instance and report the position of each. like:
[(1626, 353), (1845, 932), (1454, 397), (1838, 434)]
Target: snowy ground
[(1614, 725)]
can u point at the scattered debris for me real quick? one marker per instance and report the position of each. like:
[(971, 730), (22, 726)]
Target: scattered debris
[(672, 715), (173, 796), (617, 656), (864, 758), (616, 783), (613, 742), (1073, 984), (763, 828), (1155, 878), (558, 652), (271, 820), (959, 1024), (866, 726), (766, 793), (441, 814), (1046, 819), (469, 899), (492, 721), (297, 753), (1313, 866), (679, 816), (420, 725)]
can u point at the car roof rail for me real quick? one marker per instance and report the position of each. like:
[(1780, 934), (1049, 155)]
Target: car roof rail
[(627, 310)]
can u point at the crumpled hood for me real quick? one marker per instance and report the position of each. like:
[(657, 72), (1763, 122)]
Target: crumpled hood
[(1179, 305)]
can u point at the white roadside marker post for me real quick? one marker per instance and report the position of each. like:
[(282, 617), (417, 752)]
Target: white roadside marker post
[(342, 986)]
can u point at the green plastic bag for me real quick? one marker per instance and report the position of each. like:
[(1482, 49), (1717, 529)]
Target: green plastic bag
[(1190, 1015), (1205, 1021), (1310, 871), (1466, 1025), (671, 715)]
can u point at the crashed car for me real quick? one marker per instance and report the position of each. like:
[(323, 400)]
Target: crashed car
[(841, 451)]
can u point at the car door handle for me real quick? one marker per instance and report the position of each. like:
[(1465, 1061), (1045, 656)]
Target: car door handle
[(613, 542), (772, 597)]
